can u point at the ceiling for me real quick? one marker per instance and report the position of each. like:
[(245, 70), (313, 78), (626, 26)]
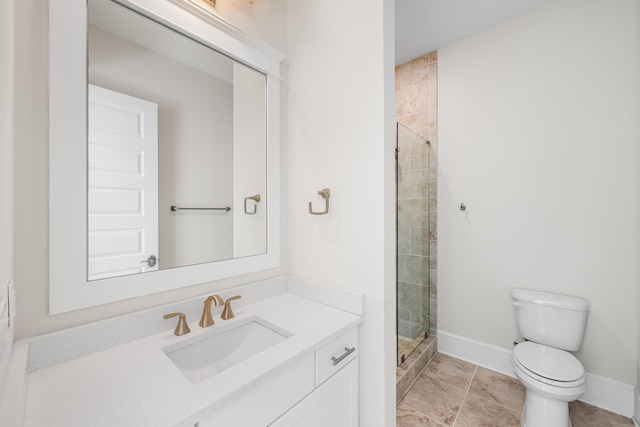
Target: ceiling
[(423, 26)]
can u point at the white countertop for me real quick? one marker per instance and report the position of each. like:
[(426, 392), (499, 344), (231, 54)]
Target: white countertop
[(135, 383)]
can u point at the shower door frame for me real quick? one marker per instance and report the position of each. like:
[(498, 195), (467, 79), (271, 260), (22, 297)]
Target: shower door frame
[(415, 156)]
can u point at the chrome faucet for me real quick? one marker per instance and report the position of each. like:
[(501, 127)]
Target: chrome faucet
[(207, 318)]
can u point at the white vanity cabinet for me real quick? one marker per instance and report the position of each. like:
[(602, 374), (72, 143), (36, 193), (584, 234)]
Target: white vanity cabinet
[(334, 402), (307, 379), (313, 392)]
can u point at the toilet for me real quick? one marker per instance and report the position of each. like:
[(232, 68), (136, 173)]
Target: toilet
[(552, 325)]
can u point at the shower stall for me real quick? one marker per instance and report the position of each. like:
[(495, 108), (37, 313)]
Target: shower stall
[(414, 234)]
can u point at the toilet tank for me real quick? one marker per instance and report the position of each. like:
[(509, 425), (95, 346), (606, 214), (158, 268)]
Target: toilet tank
[(550, 319)]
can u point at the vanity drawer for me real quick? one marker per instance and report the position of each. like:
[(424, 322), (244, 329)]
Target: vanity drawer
[(338, 353)]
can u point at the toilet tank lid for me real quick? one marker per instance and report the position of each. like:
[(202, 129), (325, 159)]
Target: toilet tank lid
[(550, 299)]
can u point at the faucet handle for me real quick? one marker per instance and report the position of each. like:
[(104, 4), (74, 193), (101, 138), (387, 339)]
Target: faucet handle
[(182, 327), (227, 313), (207, 318)]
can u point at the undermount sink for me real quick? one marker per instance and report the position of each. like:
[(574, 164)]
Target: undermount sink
[(209, 354)]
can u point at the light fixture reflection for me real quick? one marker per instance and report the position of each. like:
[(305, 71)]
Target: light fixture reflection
[(252, 8)]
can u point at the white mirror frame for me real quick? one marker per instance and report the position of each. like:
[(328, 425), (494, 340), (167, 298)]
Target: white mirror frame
[(68, 286)]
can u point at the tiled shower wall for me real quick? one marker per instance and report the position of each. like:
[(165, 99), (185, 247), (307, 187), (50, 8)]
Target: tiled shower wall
[(417, 109)]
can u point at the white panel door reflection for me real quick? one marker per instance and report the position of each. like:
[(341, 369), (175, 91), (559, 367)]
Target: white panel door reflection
[(123, 184)]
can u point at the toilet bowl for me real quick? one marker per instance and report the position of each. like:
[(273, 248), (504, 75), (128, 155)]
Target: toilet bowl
[(552, 379), (553, 325)]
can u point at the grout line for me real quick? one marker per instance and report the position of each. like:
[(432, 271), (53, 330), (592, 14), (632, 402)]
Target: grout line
[(411, 385), (438, 424), (466, 394), (416, 375), (520, 414), (502, 406), (475, 371)]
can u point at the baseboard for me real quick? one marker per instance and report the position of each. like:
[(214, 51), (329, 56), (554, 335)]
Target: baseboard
[(477, 352), (603, 392), (609, 394)]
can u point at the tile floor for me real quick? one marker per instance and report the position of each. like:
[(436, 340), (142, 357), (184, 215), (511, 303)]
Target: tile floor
[(413, 365), (454, 393)]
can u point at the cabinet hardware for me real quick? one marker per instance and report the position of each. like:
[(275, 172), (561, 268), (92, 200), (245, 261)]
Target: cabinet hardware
[(347, 350)]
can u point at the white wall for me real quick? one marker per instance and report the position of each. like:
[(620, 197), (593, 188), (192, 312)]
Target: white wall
[(341, 136), (537, 121), (6, 170), (32, 187)]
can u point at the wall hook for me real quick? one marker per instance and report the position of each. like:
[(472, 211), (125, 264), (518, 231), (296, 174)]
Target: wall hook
[(325, 194), (463, 207), (256, 199)]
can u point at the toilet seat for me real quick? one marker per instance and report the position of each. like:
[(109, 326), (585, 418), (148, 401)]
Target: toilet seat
[(549, 365)]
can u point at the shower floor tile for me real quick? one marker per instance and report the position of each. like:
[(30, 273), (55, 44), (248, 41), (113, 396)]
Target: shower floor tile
[(453, 393)]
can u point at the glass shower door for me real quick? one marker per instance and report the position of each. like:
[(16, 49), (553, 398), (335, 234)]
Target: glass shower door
[(412, 180)]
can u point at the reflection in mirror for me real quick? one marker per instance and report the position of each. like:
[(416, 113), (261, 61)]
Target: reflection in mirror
[(176, 136)]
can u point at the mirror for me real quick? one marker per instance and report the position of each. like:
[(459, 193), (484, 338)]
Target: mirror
[(164, 150), (176, 148)]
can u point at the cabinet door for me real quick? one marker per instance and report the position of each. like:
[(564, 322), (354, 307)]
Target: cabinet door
[(334, 403)]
